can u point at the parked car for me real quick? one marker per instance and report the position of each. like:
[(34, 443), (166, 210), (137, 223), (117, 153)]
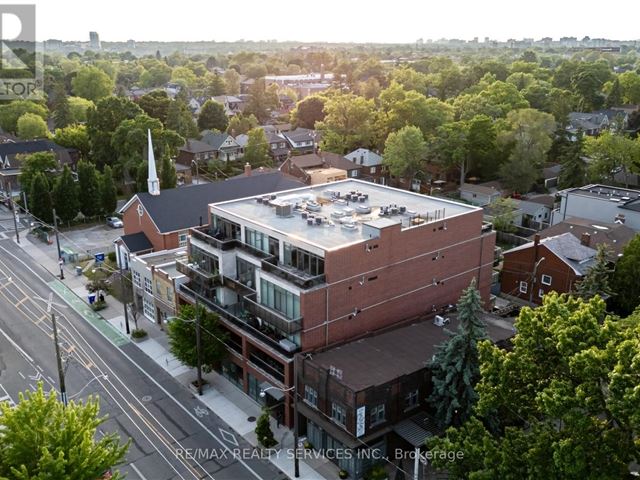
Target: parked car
[(114, 222)]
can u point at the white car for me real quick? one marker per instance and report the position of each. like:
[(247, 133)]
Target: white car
[(114, 222)]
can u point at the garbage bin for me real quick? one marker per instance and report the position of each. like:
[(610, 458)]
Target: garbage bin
[(78, 270)]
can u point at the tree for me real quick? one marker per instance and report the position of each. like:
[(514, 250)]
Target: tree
[(587, 82), (212, 117), (450, 147), (563, 399), (572, 166), (614, 97), (32, 126), (530, 134), (348, 123), (241, 124), (257, 150), (258, 104), (612, 153), (180, 119), (405, 151), (89, 186), (484, 155), (263, 430), (155, 75), (232, 81), (495, 101), (213, 85), (12, 111), (168, 177), (156, 104), (92, 83), (39, 162), (40, 202), (597, 279), (630, 84), (74, 136), (182, 338), (518, 174), (108, 192), (62, 115), (504, 213), (455, 369), (79, 107), (141, 175), (65, 196), (625, 278), (308, 111), (41, 438)]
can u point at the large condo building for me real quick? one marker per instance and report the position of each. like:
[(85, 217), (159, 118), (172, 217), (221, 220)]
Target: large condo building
[(307, 268)]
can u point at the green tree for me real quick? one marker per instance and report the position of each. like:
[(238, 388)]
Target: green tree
[(504, 213), (32, 126), (232, 81), (450, 147), (349, 123), (455, 369), (308, 111), (588, 81), (257, 150), (612, 153), (39, 162), (156, 104), (168, 177), (41, 438), (108, 192), (597, 279), (79, 107), (92, 83), (182, 338), (263, 430), (564, 398), (258, 104), (625, 278), (241, 124), (180, 120), (40, 202), (213, 85), (572, 166), (89, 186), (141, 171), (614, 97), (12, 111), (212, 117), (65, 196), (74, 136), (495, 101), (405, 152), (62, 115), (518, 174), (155, 75), (484, 155), (630, 83), (560, 103)]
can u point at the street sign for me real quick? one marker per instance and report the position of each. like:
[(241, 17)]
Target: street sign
[(99, 257)]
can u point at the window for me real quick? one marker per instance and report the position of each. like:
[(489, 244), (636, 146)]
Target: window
[(354, 173), (376, 415), (246, 272), (148, 309), (148, 286), (136, 279), (182, 239), (338, 414), (541, 293), (311, 396), (303, 260), (523, 287), (546, 279), (372, 170), (411, 400), (261, 241), (279, 299)]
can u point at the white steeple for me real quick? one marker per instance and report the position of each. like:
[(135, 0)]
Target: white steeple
[(153, 183)]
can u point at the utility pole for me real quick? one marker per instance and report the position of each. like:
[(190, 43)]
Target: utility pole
[(12, 207), (124, 300), (198, 352), (296, 432), (63, 390), (55, 226), (24, 199)]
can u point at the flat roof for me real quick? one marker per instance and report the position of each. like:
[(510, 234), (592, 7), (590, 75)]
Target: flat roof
[(164, 257), (336, 212), (379, 359)]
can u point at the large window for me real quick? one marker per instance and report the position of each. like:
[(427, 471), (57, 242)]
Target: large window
[(376, 415), (149, 309), (246, 272), (137, 281), (303, 260), (224, 229), (261, 241), (204, 260), (279, 299), (338, 414), (311, 396), (148, 286)]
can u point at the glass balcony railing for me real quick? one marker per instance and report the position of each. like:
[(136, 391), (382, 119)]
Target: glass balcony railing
[(272, 317), (194, 271), (204, 235), (292, 275)]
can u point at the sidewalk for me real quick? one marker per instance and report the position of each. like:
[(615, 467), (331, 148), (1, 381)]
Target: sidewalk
[(221, 397)]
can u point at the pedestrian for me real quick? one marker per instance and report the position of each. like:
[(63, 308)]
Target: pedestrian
[(101, 297)]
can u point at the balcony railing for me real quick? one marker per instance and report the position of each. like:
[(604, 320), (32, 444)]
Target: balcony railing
[(292, 275), (192, 270), (272, 317), (271, 370), (204, 235)]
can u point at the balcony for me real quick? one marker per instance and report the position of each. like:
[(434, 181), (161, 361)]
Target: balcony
[(204, 235), (292, 275), (272, 317), (193, 271)]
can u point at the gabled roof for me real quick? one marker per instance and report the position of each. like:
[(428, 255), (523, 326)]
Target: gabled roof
[(479, 189), (184, 207), (546, 200), (300, 135), (137, 242), (214, 139), (323, 159), (196, 146), (551, 171), (33, 146)]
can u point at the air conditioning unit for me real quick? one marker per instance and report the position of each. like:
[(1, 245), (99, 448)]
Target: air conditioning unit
[(440, 321), (284, 209)]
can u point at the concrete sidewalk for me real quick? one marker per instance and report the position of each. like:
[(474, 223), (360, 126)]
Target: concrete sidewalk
[(222, 397)]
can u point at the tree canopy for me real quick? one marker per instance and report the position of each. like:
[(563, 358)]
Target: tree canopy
[(212, 117), (92, 83), (405, 152)]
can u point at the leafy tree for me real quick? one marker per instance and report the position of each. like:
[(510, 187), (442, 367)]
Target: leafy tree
[(564, 396), (572, 166), (518, 174), (79, 107), (597, 279), (108, 192), (308, 111), (263, 429), (39, 162), (495, 101), (168, 177), (614, 97), (232, 81), (184, 77), (625, 278), (12, 111), (612, 153), (630, 84), (213, 85), (560, 103), (405, 152), (141, 172), (241, 124), (484, 154), (212, 117), (182, 338), (92, 83), (180, 120), (409, 79), (257, 150), (348, 124), (450, 147), (455, 369), (62, 115), (258, 104), (155, 75), (40, 202), (587, 83), (41, 438), (89, 186), (32, 126), (74, 136), (504, 212), (65, 196), (156, 104)]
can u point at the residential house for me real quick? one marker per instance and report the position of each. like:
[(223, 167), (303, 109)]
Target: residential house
[(322, 164), (311, 267), (195, 151), (279, 148), (551, 264), (232, 104), (371, 166), (536, 211), (600, 203), (224, 145), (301, 140), (371, 394), (589, 123), (551, 175), (479, 195)]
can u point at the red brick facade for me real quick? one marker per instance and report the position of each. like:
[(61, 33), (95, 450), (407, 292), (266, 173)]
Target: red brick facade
[(133, 223)]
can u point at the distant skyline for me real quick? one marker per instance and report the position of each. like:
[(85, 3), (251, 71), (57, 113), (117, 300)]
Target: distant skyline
[(399, 21)]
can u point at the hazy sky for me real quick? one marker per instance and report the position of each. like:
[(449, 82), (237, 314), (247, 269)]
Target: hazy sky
[(334, 20)]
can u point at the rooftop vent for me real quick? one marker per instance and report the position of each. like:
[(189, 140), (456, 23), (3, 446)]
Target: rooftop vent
[(284, 209), (259, 199), (349, 226), (318, 220), (310, 221), (273, 196)]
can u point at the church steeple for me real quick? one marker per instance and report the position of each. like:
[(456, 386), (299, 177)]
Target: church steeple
[(153, 183)]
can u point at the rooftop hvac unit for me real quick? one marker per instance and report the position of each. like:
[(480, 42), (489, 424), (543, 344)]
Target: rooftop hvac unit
[(310, 221), (259, 199), (403, 209), (304, 215), (284, 210), (394, 210), (273, 196), (318, 220), (361, 198), (440, 321)]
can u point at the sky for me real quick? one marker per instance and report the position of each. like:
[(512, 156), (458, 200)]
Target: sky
[(383, 21)]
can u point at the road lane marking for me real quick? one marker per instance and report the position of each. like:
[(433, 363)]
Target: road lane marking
[(135, 469), (16, 346)]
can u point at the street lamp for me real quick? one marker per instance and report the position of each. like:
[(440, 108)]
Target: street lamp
[(296, 460)]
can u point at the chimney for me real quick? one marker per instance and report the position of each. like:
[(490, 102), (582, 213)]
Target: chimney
[(536, 239), (247, 169), (585, 239)]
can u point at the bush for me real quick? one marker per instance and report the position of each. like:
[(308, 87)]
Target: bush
[(112, 257), (263, 430), (343, 474), (308, 445), (97, 306), (138, 333), (377, 472)]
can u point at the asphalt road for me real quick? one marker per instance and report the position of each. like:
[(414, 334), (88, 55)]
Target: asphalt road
[(143, 403)]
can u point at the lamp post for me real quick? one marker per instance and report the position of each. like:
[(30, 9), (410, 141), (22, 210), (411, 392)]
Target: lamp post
[(293, 391), (55, 226)]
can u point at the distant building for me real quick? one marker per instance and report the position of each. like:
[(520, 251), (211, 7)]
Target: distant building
[(94, 41), (479, 195)]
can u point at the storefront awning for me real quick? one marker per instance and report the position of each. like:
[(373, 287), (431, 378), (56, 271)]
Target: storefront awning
[(416, 429)]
